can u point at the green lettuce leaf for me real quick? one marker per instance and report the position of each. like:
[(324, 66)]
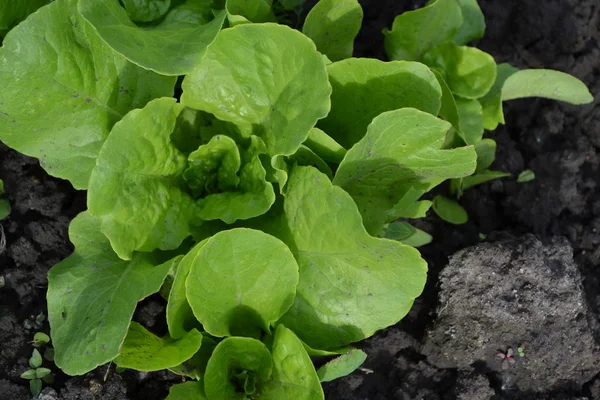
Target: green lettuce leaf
[(364, 88), (172, 47), (253, 278), (64, 89), (214, 166), (267, 79), (144, 351), (342, 365), (305, 156), (4, 204), (449, 210), (187, 391), (246, 11), (448, 107), (92, 295), (237, 368), (135, 189), (294, 376), (491, 103), (180, 317), (546, 83), (399, 230), (4, 208), (401, 151), (486, 154), (416, 32), (526, 176), (324, 146), (470, 72), (470, 119), (14, 11), (351, 284), (333, 25), (473, 26), (233, 197), (481, 177), (196, 366), (146, 10), (409, 205), (407, 234)]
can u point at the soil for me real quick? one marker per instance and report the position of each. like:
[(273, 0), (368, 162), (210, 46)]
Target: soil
[(553, 220)]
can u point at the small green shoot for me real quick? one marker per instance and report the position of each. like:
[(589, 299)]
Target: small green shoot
[(36, 359), (521, 351), (507, 357), (40, 338), (526, 176), (36, 374)]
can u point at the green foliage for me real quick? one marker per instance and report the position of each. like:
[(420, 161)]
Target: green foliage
[(271, 206), (402, 150), (526, 176), (342, 365), (256, 275), (261, 87), (546, 83), (92, 90), (349, 264), (333, 25), (36, 374), (416, 32), (172, 46), (14, 11), (92, 295), (407, 234), (146, 10), (143, 351), (449, 210), (4, 204), (472, 85), (186, 391), (363, 88), (124, 180), (473, 26), (40, 338)]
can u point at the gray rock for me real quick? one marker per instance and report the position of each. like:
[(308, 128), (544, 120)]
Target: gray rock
[(516, 293), (48, 394), (471, 386)]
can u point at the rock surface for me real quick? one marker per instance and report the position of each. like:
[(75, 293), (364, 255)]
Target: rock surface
[(516, 293)]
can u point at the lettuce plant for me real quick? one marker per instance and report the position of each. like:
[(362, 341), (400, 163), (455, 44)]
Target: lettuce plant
[(261, 201), (473, 85)]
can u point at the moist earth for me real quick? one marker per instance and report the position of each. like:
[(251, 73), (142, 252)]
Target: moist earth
[(476, 302)]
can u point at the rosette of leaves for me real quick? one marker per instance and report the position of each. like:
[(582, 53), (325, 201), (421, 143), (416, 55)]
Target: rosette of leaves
[(256, 204), (230, 196), (473, 85)]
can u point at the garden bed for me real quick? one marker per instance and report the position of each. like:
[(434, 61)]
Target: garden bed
[(558, 142)]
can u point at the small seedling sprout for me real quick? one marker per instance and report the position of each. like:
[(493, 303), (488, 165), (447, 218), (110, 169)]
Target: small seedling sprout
[(506, 357), (37, 373)]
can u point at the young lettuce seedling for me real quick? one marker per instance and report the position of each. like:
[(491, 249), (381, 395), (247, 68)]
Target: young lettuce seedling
[(474, 85)]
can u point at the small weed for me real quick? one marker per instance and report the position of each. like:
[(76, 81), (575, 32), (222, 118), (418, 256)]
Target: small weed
[(506, 357)]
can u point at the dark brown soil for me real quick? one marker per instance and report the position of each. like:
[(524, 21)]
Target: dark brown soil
[(560, 143)]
